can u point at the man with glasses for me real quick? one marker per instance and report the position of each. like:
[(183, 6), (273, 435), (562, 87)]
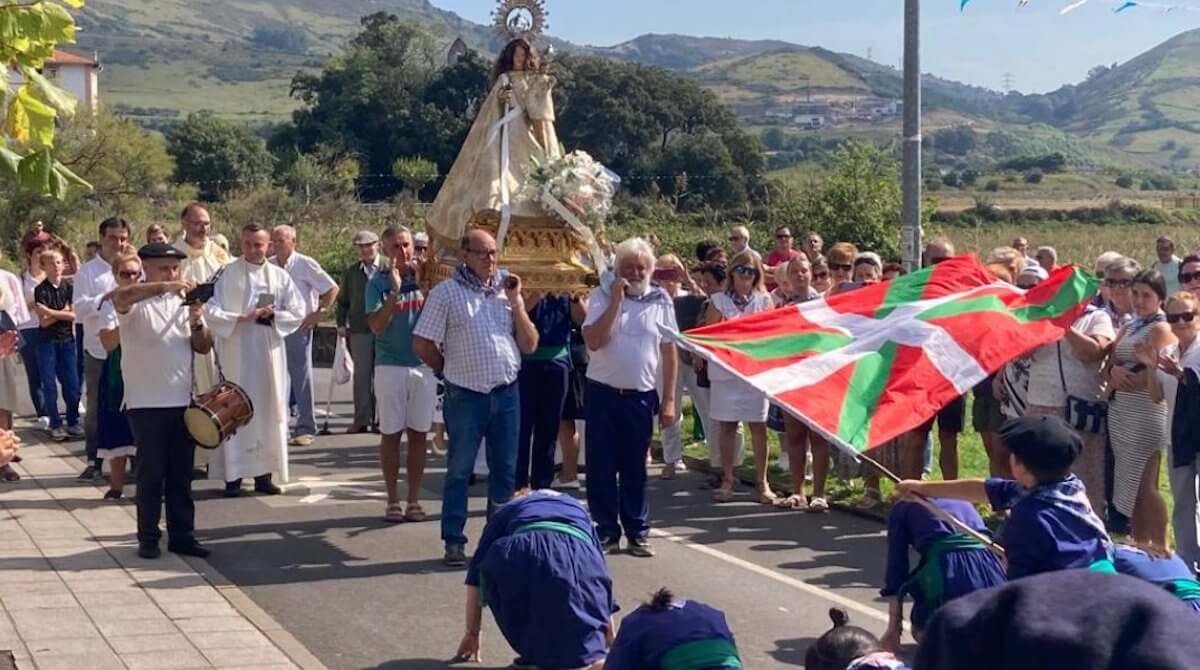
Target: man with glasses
[(739, 241), (92, 283), (472, 331), (1168, 262), (782, 253)]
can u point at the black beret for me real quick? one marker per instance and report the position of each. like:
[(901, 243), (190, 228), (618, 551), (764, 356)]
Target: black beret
[(1042, 442), (1064, 620), (160, 250)]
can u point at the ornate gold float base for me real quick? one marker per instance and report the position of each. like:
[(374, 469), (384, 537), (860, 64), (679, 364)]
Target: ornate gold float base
[(541, 250)]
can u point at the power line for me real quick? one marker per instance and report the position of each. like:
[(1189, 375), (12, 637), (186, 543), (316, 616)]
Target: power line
[(1008, 82)]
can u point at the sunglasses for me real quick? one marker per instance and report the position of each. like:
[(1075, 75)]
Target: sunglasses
[(745, 271), (783, 237), (1118, 283), (130, 275), (1186, 317), (820, 275), (844, 267), (1188, 277)]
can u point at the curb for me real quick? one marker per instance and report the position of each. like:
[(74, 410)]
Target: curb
[(238, 600)]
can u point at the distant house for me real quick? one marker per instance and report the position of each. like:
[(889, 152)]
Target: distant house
[(810, 121), (78, 75)]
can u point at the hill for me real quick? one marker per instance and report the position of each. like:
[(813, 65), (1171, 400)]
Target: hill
[(1148, 107)]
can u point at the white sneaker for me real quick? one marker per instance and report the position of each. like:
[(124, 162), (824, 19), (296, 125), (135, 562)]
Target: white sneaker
[(43, 422), (785, 462), (572, 485)]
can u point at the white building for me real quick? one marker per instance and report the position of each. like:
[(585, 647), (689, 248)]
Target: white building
[(78, 75)]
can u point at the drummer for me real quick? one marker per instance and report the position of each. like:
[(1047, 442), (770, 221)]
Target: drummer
[(158, 336), (540, 569)]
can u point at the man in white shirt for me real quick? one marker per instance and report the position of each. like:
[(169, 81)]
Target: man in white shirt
[(92, 282), (1168, 263), (159, 334), (626, 347), (319, 291), (255, 305)]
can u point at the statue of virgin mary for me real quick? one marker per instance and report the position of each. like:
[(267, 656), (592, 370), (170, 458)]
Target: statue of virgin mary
[(514, 125)]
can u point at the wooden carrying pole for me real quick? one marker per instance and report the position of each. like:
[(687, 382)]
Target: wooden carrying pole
[(939, 512)]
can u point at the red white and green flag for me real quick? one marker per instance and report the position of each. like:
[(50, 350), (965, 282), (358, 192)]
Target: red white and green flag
[(865, 366)]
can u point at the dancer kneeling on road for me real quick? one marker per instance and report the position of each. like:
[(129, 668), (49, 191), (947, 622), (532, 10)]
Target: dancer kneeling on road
[(541, 570), (669, 634), (952, 563)]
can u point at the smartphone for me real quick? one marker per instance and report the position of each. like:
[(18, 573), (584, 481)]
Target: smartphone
[(265, 300)]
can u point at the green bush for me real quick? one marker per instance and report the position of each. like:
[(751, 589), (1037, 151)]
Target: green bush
[(992, 186), (1125, 181), (1034, 177)]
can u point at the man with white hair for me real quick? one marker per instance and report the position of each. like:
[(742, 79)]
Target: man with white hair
[(1047, 258), (739, 241), (319, 291), (626, 348)]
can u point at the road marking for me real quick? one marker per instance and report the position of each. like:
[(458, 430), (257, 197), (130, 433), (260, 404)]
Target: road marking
[(772, 574)]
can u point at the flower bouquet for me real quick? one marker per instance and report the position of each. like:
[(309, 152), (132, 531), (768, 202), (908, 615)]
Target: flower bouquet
[(575, 182)]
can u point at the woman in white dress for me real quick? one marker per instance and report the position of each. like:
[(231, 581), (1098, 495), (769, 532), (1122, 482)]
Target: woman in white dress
[(733, 400)]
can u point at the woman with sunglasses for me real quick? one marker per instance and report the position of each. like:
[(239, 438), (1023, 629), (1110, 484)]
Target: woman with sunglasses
[(1137, 423), (115, 439), (1189, 275), (841, 259), (1118, 288), (780, 255), (821, 282), (734, 401), (1180, 370)]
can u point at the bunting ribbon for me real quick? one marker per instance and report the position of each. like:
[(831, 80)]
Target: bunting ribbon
[(1119, 6)]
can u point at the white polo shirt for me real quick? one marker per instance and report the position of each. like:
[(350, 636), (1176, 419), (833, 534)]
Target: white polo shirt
[(310, 279), (156, 353), (630, 359), (93, 281)]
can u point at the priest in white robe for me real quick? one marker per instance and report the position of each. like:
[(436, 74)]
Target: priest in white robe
[(254, 307)]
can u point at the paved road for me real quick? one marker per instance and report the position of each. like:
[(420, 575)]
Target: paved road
[(360, 593)]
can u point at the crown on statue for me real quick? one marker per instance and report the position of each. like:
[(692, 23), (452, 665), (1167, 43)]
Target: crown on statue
[(521, 19)]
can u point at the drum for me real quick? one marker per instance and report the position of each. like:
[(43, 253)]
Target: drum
[(216, 415)]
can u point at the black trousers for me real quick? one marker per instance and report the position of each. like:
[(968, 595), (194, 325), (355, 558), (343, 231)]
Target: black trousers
[(165, 453), (547, 382)]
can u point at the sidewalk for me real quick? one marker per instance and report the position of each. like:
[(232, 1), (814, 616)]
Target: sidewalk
[(75, 594)]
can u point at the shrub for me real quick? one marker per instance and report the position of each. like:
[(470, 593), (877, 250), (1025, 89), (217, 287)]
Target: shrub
[(992, 186), (1034, 177), (1125, 181)]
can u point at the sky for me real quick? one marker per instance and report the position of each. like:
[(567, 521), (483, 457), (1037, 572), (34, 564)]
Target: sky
[(1040, 49)]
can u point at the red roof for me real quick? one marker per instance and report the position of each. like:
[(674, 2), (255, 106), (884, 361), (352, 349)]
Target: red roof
[(65, 58)]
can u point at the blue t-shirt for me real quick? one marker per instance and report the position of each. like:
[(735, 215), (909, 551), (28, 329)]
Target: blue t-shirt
[(551, 317), (1051, 527), (647, 634), (394, 346), (910, 524)]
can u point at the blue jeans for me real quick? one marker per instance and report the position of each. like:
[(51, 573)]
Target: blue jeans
[(29, 356), (58, 359), (471, 417), (617, 437), (298, 346)]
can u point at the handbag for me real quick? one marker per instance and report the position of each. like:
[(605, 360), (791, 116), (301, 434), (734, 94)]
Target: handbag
[(1086, 416)]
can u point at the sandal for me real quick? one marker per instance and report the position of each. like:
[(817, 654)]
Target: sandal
[(9, 475), (414, 513), (723, 495), (767, 497), (795, 502), (818, 506), (395, 513)]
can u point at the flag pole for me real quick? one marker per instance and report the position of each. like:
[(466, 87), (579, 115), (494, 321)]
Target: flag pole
[(939, 512)]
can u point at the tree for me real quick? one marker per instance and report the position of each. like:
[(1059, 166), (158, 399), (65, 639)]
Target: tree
[(29, 113), (959, 140), (128, 167), (323, 172), (1125, 181), (415, 173), (774, 138), (218, 156), (859, 201)]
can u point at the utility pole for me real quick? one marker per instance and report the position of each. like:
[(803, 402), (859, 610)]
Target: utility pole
[(911, 172), (1008, 82)]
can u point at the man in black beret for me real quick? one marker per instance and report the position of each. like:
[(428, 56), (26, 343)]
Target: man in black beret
[(159, 333), (1051, 525), (1067, 620)]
